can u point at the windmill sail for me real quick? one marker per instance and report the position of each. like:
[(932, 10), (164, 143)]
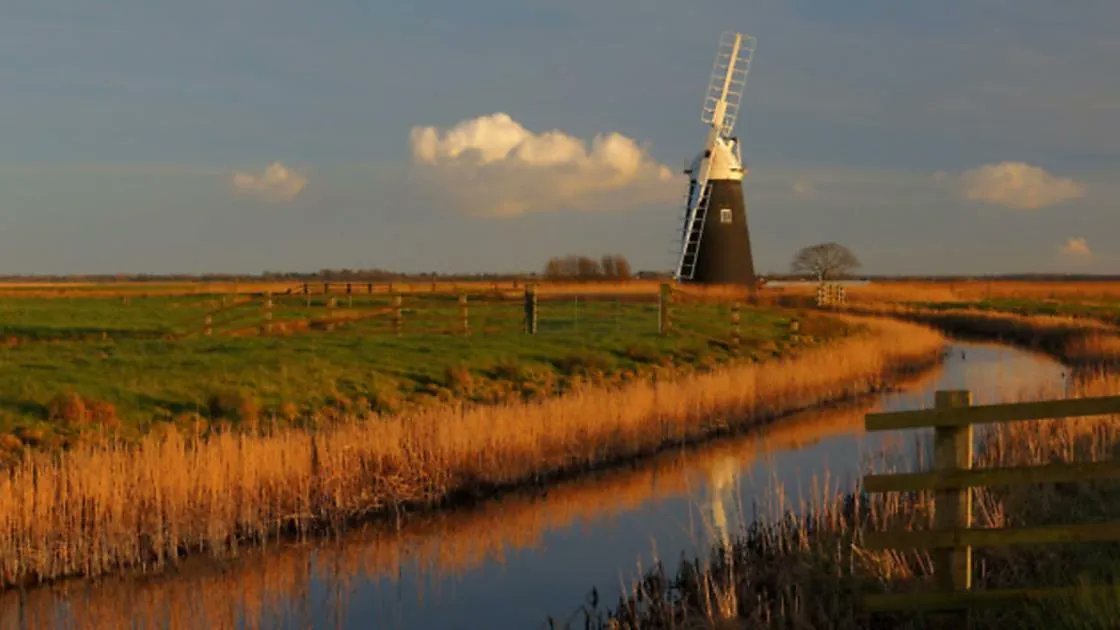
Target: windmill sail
[(729, 79)]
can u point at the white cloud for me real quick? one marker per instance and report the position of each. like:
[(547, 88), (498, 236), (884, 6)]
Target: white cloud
[(276, 183), (1076, 247), (492, 165), (1018, 185)]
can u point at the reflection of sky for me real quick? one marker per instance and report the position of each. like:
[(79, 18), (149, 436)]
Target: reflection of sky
[(552, 577)]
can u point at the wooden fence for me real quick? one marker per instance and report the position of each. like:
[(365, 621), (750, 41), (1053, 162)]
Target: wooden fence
[(952, 479), (382, 309)]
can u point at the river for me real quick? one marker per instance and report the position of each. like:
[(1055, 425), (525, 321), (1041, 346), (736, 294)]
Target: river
[(514, 561)]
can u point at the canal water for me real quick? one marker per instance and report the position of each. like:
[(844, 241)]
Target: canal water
[(516, 561)]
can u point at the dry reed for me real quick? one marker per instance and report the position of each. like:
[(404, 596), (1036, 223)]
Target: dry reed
[(98, 509), (264, 587), (808, 568), (974, 290), (1075, 340)]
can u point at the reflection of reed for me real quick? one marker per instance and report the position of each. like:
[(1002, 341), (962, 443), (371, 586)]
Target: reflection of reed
[(806, 569), (259, 586)]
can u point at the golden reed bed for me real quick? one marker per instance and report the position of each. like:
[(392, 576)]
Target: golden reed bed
[(98, 509), (1074, 340), (249, 592)]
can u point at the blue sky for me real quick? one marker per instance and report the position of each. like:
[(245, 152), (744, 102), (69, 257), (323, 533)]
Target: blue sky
[(952, 137)]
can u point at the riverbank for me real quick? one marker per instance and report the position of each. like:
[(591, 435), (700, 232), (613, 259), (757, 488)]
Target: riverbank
[(1075, 341), (810, 569), (102, 508)]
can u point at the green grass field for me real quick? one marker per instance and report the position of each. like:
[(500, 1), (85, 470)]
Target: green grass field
[(67, 364)]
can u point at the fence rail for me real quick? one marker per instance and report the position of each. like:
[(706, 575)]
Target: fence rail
[(952, 480), (380, 309)]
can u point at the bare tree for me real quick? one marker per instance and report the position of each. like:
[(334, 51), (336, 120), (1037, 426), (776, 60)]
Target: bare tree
[(622, 269), (572, 267), (554, 269), (615, 267), (826, 261), (588, 268), (607, 265)]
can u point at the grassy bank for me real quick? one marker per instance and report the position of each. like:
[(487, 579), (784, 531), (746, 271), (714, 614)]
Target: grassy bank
[(101, 507), (78, 365), (810, 569)]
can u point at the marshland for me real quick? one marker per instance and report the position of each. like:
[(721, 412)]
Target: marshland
[(559, 315), (701, 446)]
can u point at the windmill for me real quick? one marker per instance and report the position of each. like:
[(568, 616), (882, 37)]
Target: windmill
[(715, 242)]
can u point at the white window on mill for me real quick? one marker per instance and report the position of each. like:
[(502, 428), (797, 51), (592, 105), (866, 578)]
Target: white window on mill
[(725, 215)]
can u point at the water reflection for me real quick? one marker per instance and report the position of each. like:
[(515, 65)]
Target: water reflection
[(509, 562)]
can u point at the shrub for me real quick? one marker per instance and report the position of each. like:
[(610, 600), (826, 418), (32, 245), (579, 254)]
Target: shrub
[(103, 413), (581, 363), (642, 353), (385, 398), (192, 424), (459, 380), (68, 409), (289, 411), (31, 436), (508, 370), (362, 406), (240, 406), (9, 442)]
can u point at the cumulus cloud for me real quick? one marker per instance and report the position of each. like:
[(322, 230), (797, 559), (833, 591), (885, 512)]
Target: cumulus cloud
[(276, 183), (492, 165), (1076, 247), (1018, 185)]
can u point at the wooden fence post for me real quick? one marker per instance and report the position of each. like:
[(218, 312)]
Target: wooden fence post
[(267, 328), (331, 304), (464, 314), (735, 327), (952, 450), (664, 318), (531, 309), (398, 314), (208, 328)]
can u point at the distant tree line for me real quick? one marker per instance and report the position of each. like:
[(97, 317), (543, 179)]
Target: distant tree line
[(572, 267)]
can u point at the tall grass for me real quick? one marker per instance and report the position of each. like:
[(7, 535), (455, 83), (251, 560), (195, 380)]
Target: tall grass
[(1074, 340), (101, 508), (263, 588), (972, 290)]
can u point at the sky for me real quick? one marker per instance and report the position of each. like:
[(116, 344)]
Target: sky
[(250, 135)]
